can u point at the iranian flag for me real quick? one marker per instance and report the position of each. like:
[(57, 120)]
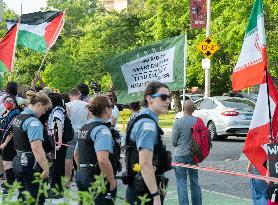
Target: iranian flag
[(259, 131), (252, 62), (40, 30), (7, 49)]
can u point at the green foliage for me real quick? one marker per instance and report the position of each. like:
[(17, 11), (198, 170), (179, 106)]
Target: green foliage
[(92, 36), (82, 197)]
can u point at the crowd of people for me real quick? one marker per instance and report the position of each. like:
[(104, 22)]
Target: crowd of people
[(51, 133)]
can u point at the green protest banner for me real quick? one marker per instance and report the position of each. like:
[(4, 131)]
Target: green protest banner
[(162, 61)]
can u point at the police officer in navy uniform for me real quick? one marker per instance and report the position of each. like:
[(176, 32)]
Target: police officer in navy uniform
[(28, 139), (94, 151), (144, 147)]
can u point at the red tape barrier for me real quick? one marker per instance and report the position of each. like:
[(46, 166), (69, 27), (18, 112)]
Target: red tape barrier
[(211, 169)]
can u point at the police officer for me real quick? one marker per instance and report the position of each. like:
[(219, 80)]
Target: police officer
[(28, 138), (94, 150), (144, 147)]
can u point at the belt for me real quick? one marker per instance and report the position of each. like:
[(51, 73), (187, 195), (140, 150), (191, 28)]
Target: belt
[(21, 152), (86, 165)]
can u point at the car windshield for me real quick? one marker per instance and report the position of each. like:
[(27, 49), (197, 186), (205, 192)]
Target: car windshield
[(238, 103), (196, 97), (192, 97)]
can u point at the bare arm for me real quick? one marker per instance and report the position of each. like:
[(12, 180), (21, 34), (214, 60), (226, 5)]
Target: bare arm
[(39, 154), (106, 167), (42, 85), (60, 132), (68, 111), (113, 121), (175, 135), (4, 144), (34, 82), (249, 167), (76, 158)]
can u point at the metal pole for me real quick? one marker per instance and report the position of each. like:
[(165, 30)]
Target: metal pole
[(269, 108), (207, 71), (184, 71)]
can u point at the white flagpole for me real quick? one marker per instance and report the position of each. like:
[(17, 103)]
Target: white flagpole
[(184, 71), (55, 36), (16, 37)]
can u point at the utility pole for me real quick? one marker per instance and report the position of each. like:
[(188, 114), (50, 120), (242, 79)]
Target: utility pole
[(207, 70)]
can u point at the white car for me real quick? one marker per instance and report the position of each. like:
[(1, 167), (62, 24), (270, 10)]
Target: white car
[(192, 97), (224, 116)]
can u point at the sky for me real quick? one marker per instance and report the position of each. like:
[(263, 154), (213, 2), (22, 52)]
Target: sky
[(29, 6)]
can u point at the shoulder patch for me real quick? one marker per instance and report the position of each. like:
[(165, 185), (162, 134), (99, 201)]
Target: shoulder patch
[(35, 124), (105, 131), (149, 126)]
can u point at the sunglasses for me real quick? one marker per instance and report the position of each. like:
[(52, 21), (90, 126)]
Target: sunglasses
[(163, 97), (12, 101)]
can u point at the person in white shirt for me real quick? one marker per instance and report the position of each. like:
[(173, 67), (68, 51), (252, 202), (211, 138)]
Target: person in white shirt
[(115, 111), (77, 111)]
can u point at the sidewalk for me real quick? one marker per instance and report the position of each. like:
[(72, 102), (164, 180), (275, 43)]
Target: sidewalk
[(209, 198)]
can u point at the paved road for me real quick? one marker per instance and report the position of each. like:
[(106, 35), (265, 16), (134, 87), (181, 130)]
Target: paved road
[(217, 189)]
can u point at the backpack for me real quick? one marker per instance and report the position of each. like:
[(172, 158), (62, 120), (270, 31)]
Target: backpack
[(116, 136), (68, 132), (164, 154), (201, 142)]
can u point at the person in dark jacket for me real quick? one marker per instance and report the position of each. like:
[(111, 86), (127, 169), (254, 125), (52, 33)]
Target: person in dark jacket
[(7, 145), (55, 126)]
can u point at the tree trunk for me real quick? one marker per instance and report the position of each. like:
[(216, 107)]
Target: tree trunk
[(177, 101)]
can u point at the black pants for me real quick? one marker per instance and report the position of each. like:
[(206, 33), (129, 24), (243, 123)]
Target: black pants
[(132, 197), (138, 188), (25, 175), (84, 179), (57, 170)]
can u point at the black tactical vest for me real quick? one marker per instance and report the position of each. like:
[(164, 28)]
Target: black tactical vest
[(86, 150), (159, 152), (20, 137)]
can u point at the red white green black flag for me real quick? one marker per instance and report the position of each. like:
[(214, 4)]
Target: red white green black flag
[(7, 49), (252, 62), (40, 30)]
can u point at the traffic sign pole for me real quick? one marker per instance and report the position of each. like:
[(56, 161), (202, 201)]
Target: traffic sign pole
[(207, 71)]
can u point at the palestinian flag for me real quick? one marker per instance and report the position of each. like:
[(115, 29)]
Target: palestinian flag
[(40, 30), (7, 49), (252, 62)]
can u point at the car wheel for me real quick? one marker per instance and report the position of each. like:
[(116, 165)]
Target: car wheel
[(212, 130)]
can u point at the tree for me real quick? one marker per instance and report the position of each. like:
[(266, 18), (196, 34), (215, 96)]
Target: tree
[(82, 58), (91, 36)]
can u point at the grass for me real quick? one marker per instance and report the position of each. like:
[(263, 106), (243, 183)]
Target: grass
[(165, 120)]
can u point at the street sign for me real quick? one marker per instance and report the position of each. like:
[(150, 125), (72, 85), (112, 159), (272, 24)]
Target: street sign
[(198, 16), (208, 47), (206, 63)]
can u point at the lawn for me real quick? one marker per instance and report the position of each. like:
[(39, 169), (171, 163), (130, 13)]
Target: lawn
[(165, 120)]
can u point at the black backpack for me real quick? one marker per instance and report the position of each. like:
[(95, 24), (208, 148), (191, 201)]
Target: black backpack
[(68, 132), (116, 136)]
